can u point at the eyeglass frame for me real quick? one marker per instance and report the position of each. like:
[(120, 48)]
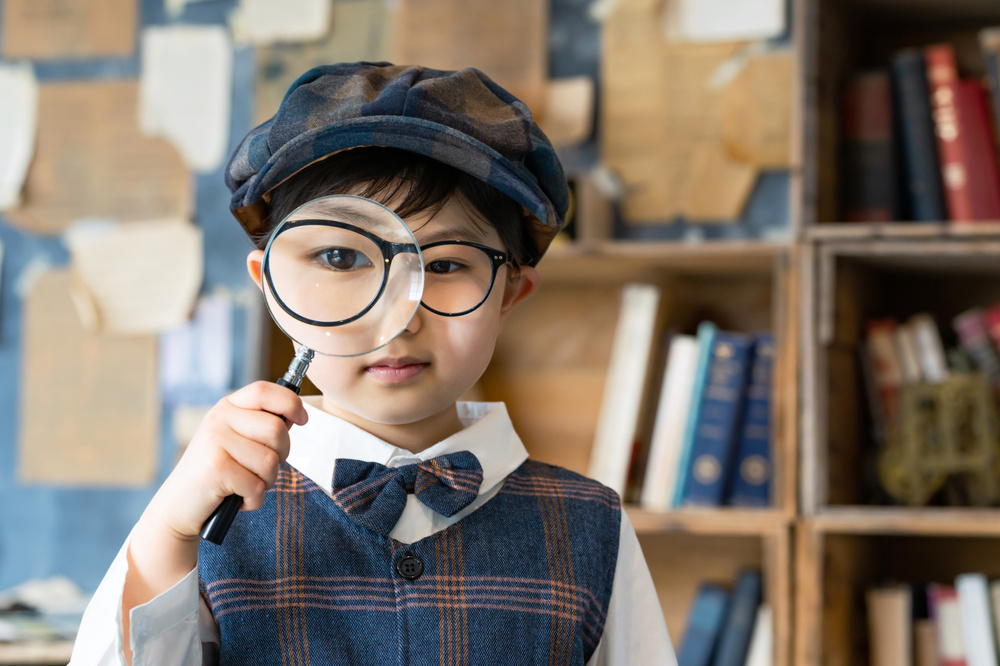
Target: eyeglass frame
[(497, 259)]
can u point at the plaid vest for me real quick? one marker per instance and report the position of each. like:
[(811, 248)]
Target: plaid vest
[(524, 579)]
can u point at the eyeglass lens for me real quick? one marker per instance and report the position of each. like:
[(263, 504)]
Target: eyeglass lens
[(457, 277)]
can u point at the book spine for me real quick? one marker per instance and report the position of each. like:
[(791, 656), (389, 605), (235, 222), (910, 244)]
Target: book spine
[(974, 335), (752, 473), (942, 602), (706, 340), (918, 145), (889, 625), (715, 431), (885, 366), (671, 418), (980, 148), (869, 166), (942, 77), (761, 650), (974, 606), (930, 349), (989, 41), (704, 623), (735, 638)]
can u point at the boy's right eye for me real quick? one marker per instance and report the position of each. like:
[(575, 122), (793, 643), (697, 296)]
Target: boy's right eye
[(343, 259)]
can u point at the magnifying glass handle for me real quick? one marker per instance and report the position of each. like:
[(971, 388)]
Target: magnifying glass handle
[(217, 526)]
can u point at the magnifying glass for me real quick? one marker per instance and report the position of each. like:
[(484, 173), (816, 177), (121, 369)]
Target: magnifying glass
[(341, 276)]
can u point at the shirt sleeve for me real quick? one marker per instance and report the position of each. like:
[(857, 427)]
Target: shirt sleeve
[(166, 631), (634, 631)]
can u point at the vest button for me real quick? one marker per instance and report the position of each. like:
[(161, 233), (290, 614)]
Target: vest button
[(410, 567)]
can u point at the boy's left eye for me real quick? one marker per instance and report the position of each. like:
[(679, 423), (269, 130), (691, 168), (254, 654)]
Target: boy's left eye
[(443, 266)]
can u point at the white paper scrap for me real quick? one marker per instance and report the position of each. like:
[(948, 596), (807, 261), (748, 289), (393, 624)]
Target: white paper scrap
[(196, 359), (18, 121), (185, 91), (139, 277), (261, 22), (724, 20)]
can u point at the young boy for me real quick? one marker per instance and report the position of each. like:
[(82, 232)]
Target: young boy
[(340, 558)]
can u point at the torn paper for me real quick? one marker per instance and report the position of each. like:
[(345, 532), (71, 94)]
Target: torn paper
[(568, 111), (262, 22), (90, 407), (185, 91), (141, 277), (723, 20), (92, 161), (196, 358), (757, 111), (18, 119), (54, 29)]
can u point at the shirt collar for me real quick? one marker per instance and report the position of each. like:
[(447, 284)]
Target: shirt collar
[(488, 433)]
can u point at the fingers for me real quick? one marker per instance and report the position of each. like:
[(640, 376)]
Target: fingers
[(270, 397)]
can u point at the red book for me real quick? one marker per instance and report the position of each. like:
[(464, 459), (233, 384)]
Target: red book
[(965, 141), (992, 317)]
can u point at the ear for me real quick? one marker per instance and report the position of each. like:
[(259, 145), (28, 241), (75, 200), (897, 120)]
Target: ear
[(254, 262), (519, 285)]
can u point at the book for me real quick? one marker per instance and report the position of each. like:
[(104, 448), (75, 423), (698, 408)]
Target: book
[(869, 163), (751, 482), (624, 386), (917, 144), (969, 174), (761, 650), (994, 587), (942, 603), (706, 340), (974, 336), (989, 42), (704, 622), (889, 625), (977, 629), (886, 375), (924, 643), (716, 428), (930, 349), (906, 349), (738, 626), (672, 412)]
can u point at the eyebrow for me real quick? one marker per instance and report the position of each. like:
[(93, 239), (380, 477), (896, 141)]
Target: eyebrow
[(454, 233)]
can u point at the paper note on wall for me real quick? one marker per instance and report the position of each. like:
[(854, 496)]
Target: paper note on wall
[(50, 29), (89, 403), (141, 277), (185, 91), (18, 116), (360, 32), (196, 359), (757, 111), (508, 41), (724, 20), (91, 161), (568, 110), (269, 21)]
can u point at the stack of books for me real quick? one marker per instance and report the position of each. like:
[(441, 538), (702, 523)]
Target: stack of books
[(940, 624), (694, 431), (728, 627), (918, 139)]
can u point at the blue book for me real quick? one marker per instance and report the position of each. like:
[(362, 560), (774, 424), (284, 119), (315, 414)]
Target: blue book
[(922, 170), (738, 627), (706, 338), (704, 623), (751, 482), (718, 419), (989, 39)]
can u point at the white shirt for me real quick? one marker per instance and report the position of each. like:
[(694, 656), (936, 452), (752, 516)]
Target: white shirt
[(169, 629)]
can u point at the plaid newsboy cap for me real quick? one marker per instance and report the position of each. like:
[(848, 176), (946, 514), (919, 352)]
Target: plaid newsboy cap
[(460, 118)]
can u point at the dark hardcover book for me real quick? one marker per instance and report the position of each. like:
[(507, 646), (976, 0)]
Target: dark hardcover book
[(989, 40), (917, 145), (868, 155), (965, 139), (716, 429), (751, 480), (704, 623), (736, 630)]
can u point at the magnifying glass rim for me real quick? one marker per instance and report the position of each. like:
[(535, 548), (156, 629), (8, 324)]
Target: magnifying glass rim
[(394, 249), (398, 248)]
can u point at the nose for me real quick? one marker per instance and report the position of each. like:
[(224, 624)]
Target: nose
[(415, 322)]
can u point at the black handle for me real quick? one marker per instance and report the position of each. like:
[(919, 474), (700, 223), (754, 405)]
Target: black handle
[(217, 526)]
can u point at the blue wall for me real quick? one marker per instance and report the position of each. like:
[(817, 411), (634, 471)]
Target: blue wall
[(77, 531)]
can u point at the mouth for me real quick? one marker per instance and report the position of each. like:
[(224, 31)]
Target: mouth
[(396, 369)]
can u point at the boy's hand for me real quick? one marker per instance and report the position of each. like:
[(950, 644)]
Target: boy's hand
[(237, 449)]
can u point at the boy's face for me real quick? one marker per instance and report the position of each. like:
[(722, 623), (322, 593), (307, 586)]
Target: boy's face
[(419, 376)]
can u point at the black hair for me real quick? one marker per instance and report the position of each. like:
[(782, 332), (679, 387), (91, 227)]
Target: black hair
[(420, 183)]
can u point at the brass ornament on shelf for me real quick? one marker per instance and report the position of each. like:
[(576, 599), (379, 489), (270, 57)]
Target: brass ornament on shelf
[(942, 431)]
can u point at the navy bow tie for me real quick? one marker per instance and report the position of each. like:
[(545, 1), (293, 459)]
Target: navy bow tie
[(375, 495)]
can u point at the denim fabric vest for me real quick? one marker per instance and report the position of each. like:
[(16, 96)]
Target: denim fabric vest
[(524, 579)]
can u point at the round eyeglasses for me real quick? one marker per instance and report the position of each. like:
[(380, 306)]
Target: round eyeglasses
[(458, 275)]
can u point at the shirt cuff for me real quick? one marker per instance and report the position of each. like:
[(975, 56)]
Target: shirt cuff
[(167, 623)]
